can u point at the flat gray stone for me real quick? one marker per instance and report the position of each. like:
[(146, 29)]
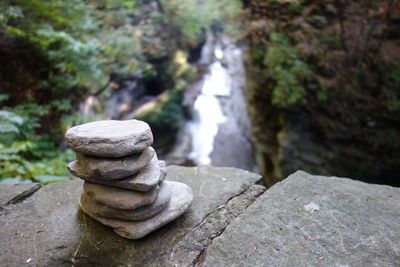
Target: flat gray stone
[(50, 229), (311, 220), (118, 198), (110, 138), (146, 179), (182, 197), (110, 168), (13, 193), (98, 210)]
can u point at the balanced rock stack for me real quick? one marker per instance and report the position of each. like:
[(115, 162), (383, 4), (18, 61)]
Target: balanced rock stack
[(124, 186)]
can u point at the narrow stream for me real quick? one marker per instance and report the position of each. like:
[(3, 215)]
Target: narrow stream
[(219, 129), (208, 111)]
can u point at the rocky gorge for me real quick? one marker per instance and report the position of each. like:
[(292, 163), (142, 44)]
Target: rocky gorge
[(316, 78)]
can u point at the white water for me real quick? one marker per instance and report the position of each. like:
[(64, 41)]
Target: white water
[(207, 111)]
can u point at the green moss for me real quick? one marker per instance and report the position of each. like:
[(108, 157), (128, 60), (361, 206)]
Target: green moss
[(257, 55), (295, 9), (291, 73)]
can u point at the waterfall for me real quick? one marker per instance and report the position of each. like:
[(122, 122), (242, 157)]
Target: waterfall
[(208, 114)]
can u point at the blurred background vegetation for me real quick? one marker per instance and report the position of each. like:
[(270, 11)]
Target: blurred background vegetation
[(55, 53), (325, 69)]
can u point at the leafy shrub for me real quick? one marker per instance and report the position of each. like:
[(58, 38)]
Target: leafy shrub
[(25, 156), (289, 71)]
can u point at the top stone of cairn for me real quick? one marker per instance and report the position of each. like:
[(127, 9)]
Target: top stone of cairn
[(110, 138)]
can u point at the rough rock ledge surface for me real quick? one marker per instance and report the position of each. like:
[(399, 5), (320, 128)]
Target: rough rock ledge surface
[(230, 223), (49, 229)]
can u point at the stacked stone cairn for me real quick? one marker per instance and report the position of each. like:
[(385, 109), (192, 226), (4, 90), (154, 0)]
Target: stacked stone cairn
[(124, 186)]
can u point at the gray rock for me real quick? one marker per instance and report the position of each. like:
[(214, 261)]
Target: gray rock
[(110, 168), (190, 251), (142, 213), (13, 193), (146, 179), (357, 225), (51, 230), (182, 197), (118, 198), (110, 138)]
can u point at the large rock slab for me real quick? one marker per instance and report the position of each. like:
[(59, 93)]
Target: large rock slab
[(99, 211), (110, 138), (48, 228), (109, 168), (314, 221)]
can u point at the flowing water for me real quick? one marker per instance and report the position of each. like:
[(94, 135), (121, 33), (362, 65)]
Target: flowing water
[(219, 129), (208, 112)]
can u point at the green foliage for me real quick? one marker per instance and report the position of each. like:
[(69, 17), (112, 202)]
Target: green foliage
[(258, 55), (25, 156), (296, 9), (317, 21), (321, 51), (189, 17), (62, 51), (287, 68), (167, 114), (58, 30)]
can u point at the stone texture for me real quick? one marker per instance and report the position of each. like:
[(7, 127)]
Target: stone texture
[(13, 193), (50, 229), (182, 197), (110, 168), (146, 179), (110, 138), (118, 198), (190, 251), (98, 210), (357, 225)]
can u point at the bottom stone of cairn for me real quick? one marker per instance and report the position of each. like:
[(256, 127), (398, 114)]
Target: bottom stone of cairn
[(181, 198), (137, 214)]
